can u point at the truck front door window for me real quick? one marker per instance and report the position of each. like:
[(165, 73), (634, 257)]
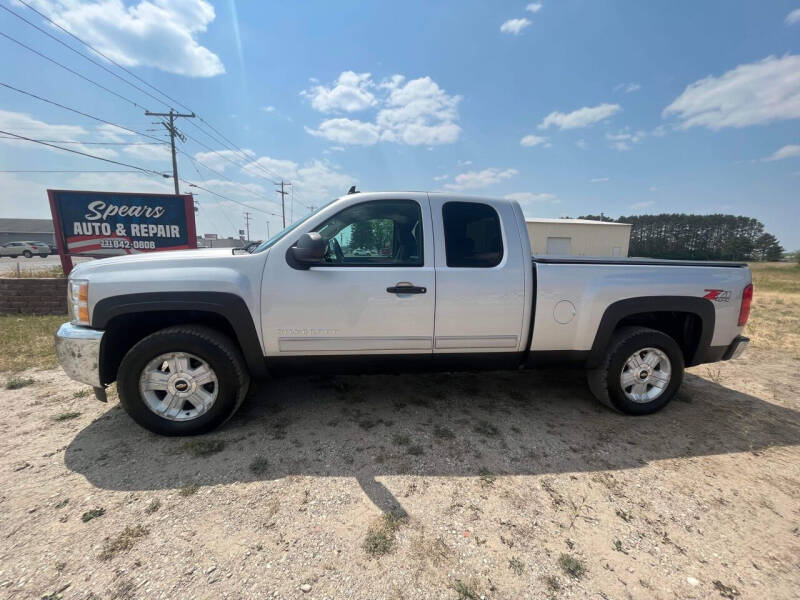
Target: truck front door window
[(380, 233)]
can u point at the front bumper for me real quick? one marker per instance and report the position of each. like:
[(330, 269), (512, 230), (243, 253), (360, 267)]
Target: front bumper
[(737, 347), (78, 351)]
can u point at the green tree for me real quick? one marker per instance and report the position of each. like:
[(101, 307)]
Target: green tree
[(767, 248)]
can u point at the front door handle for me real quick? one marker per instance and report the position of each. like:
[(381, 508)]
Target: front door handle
[(406, 288)]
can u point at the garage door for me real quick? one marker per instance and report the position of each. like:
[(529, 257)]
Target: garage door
[(559, 245)]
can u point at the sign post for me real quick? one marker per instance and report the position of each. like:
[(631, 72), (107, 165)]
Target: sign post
[(102, 224)]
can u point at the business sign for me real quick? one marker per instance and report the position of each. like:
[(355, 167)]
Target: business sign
[(113, 223)]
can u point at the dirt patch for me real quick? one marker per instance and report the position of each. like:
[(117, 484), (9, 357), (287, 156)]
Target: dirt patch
[(503, 485)]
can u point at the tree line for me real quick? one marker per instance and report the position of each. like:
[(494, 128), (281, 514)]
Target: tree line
[(698, 237)]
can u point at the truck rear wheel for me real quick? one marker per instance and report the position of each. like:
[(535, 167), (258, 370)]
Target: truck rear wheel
[(182, 380), (642, 371)]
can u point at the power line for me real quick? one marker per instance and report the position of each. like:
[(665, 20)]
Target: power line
[(81, 54), (200, 187), (74, 72), (64, 171), (112, 61), (108, 160), (132, 74), (93, 143), (229, 144), (83, 114)]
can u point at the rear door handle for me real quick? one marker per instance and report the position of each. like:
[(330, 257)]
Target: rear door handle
[(406, 288)]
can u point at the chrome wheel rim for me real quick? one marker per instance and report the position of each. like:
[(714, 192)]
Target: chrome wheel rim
[(645, 375), (178, 386)]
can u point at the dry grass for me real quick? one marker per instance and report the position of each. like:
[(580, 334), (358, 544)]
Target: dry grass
[(775, 315), (26, 341), (776, 277), (45, 273)]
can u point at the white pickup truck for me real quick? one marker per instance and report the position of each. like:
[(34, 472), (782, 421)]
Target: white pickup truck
[(393, 282)]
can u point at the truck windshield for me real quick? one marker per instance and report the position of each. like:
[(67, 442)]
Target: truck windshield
[(284, 232)]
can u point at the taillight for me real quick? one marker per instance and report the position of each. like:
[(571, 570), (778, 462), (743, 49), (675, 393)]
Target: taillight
[(747, 300)]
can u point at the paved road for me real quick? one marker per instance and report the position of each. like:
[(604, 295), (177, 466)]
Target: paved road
[(34, 263)]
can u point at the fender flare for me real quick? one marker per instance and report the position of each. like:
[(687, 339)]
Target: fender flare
[(617, 311), (229, 306)]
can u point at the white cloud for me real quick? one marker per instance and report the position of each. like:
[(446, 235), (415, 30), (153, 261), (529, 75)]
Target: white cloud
[(480, 179), (318, 182), (268, 108), (659, 131), (222, 159), (463, 163), (419, 112), (534, 7), (628, 87), (350, 93), (313, 182), (525, 197), (751, 94), (793, 17), (265, 167), (514, 26), (153, 33), (641, 205), (226, 187), (532, 140), (416, 112), (623, 139), (786, 152), (154, 152), (583, 117), (347, 131), (440, 177), (25, 125), (654, 188), (599, 180), (582, 144)]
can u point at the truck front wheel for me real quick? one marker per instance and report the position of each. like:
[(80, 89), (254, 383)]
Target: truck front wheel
[(642, 371), (182, 380)]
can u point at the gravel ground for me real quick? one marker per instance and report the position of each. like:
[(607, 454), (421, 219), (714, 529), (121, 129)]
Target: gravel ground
[(501, 485)]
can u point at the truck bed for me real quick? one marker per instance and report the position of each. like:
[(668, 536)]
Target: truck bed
[(633, 260)]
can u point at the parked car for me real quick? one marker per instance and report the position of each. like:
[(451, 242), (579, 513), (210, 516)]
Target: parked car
[(26, 249), (182, 333)]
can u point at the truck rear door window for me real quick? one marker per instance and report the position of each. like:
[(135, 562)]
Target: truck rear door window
[(472, 235)]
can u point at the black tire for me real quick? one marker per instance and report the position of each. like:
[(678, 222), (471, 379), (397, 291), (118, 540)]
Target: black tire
[(221, 354), (43, 255), (604, 381), (27, 253)]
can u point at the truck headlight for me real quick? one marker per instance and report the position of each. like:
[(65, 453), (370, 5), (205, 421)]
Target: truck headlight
[(78, 301)]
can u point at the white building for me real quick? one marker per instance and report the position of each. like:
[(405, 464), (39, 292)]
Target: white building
[(578, 237)]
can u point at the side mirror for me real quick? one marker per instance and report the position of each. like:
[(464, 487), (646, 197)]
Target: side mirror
[(309, 250)]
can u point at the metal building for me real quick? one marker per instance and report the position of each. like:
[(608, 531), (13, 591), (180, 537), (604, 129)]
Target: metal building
[(27, 230), (578, 237)]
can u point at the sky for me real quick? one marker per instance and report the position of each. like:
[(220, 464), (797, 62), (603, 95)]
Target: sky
[(571, 107)]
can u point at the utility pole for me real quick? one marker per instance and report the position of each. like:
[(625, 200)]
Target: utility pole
[(173, 133), (247, 224), (283, 195)]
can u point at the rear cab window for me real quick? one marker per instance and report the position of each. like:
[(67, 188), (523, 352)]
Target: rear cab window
[(472, 235)]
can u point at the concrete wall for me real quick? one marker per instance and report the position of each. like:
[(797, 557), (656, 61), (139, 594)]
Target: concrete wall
[(33, 296), (585, 239)]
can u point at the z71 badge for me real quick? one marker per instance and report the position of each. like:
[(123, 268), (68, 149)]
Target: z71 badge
[(718, 295)]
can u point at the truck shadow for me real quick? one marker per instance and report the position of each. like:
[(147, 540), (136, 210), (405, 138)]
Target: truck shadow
[(454, 424)]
